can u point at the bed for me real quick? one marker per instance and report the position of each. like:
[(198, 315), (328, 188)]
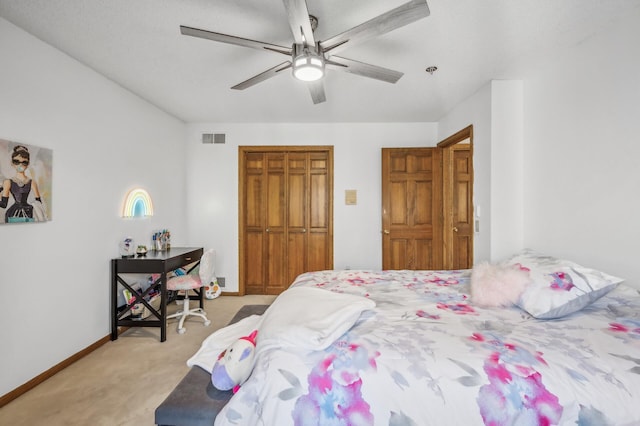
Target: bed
[(412, 348)]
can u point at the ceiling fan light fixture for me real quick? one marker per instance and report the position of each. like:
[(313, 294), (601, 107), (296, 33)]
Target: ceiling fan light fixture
[(308, 65)]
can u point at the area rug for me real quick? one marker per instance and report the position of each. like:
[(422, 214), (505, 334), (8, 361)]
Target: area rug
[(248, 310)]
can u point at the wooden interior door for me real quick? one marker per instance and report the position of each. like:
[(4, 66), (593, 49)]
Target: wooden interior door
[(286, 215), (411, 203), (427, 205), (458, 219)]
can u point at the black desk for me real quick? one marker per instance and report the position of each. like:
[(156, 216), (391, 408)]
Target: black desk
[(155, 262)]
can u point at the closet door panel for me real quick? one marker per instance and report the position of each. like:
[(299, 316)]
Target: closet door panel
[(275, 232), (254, 262), (254, 196), (296, 259), (275, 200), (297, 215), (297, 192), (317, 254), (254, 221), (319, 203), (275, 281), (319, 234)]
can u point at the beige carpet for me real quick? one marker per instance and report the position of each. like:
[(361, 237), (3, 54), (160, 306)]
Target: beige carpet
[(122, 382)]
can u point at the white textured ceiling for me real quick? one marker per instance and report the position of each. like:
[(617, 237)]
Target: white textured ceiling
[(137, 43)]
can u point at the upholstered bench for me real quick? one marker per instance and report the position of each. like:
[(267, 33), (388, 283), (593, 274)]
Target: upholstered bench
[(194, 401)]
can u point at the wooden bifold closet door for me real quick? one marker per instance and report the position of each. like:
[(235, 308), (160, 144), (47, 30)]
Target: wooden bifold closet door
[(286, 215)]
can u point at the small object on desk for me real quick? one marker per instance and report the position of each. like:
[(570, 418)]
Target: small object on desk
[(127, 247), (161, 240), (141, 251)]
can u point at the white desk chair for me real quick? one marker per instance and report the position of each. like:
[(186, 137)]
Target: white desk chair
[(190, 282)]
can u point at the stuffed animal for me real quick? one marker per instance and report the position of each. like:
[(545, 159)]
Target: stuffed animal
[(212, 290), (234, 364)]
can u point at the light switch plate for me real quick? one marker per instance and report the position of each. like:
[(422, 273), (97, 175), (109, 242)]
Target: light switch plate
[(351, 197)]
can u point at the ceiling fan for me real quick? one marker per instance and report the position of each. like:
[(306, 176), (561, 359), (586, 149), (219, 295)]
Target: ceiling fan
[(309, 57)]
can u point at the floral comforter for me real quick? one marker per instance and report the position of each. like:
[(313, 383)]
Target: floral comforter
[(426, 356)]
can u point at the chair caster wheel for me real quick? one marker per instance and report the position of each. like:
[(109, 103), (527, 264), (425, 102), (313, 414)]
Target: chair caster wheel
[(181, 330), (207, 322)]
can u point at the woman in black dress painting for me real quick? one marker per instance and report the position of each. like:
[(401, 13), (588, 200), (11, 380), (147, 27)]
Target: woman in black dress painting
[(19, 186)]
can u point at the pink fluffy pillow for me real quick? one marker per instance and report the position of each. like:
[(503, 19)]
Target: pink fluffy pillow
[(496, 285)]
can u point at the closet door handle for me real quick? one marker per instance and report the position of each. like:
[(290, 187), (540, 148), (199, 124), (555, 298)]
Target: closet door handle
[(304, 230), (267, 229), (385, 232), (455, 229)]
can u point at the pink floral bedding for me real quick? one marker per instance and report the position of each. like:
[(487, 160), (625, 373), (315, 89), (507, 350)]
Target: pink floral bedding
[(426, 356)]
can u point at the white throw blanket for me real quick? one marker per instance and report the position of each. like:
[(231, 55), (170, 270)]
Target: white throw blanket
[(302, 318)]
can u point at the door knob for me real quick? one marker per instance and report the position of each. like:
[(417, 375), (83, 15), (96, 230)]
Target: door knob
[(267, 229), (455, 229), (386, 232)]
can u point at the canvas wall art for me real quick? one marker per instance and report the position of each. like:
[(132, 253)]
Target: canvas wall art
[(25, 183)]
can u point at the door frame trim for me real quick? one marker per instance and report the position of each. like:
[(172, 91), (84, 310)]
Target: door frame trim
[(459, 136)]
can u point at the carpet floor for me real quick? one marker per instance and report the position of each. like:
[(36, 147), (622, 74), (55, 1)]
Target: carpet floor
[(122, 382)]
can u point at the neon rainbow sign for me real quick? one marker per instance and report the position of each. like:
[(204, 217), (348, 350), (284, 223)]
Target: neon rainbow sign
[(137, 204)]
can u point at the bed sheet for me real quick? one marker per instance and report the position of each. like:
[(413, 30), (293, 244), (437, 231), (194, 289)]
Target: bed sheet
[(426, 356)]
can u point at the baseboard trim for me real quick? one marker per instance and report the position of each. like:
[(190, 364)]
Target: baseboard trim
[(20, 390)]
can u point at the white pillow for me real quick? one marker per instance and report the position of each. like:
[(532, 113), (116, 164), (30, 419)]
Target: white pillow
[(559, 287), (309, 318)]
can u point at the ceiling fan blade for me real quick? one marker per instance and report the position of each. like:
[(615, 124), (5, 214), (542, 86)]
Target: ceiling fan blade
[(395, 18), (271, 72), (316, 88), (365, 70), (238, 41), (299, 21)]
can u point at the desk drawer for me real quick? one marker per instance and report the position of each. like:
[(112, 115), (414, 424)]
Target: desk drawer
[(183, 260)]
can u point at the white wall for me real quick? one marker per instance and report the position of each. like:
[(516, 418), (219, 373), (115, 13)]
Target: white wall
[(495, 112), (506, 168), (565, 137), (54, 283), (212, 175), (476, 111), (581, 175)]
